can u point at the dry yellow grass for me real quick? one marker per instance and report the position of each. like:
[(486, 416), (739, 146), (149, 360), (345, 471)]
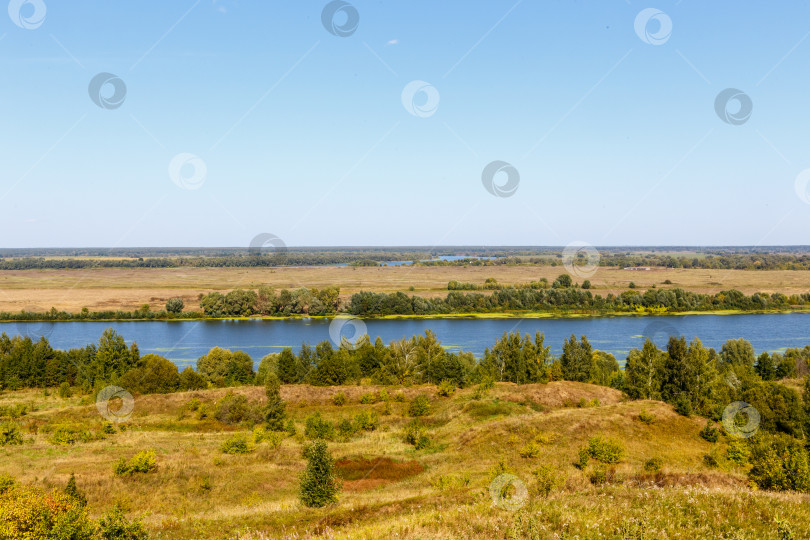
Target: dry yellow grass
[(127, 289), (441, 492)]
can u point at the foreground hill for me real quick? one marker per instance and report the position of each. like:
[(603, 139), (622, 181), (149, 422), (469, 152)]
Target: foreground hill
[(663, 485)]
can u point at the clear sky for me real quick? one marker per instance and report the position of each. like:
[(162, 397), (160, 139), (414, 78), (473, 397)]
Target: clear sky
[(610, 123)]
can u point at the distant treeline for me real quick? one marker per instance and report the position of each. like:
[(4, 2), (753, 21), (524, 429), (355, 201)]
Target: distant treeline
[(693, 378), (562, 299), (267, 259), (741, 258), (562, 296)]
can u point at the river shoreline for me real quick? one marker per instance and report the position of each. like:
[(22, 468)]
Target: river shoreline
[(437, 316)]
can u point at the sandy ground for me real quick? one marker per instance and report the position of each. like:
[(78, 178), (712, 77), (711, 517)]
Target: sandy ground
[(119, 288)]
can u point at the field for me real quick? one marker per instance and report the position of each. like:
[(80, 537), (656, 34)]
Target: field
[(392, 490), (128, 289)]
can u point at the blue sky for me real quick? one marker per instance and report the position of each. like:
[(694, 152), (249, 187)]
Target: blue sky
[(303, 134)]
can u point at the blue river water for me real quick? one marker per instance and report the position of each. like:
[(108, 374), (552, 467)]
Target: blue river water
[(185, 341)]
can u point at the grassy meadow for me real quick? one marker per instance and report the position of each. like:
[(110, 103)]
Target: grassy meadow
[(102, 289), (390, 489)]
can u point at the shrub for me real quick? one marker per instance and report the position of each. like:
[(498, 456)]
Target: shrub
[(420, 406), (366, 421), (709, 433), (6, 482), (710, 460), (779, 462), (318, 485), (10, 434), (65, 391), (415, 434), (602, 475), (531, 450), (115, 526), (653, 465), (318, 428), (738, 452), (290, 428), (683, 405), (69, 435), (236, 444), (339, 399), (367, 399), (346, 429), (605, 450), (232, 409), (545, 480), (586, 284), (583, 457), (646, 417), (107, 428), (446, 388), (72, 491), (142, 462), (30, 513), (400, 397)]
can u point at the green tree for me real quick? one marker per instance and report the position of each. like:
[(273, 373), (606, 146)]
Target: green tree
[(287, 366), (563, 281), (72, 491), (643, 372), (275, 412), (153, 375), (318, 485), (175, 305), (737, 352), (222, 367), (577, 359)]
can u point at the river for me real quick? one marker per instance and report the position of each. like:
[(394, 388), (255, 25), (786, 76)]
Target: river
[(185, 341)]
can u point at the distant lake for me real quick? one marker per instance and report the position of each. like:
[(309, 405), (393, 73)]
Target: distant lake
[(185, 341)]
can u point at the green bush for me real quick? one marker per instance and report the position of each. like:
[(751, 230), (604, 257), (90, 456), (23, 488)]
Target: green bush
[(602, 475), (779, 462), (367, 399), (142, 462), (366, 421), (605, 450), (545, 479), (446, 388), (236, 444), (420, 406), (346, 429), (709, 433), (339, 399), (72, 491), (400, 397), (683, 405), (738, 452), (710, 460), (116, 526), (318, 428), (416, 435), (653, 465), (646, 417), (69, 435), (583, 457), (65, 391), (235, 409), (318, 485), (10, 434)]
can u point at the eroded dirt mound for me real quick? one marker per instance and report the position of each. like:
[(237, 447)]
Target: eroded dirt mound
[(360, 474)]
